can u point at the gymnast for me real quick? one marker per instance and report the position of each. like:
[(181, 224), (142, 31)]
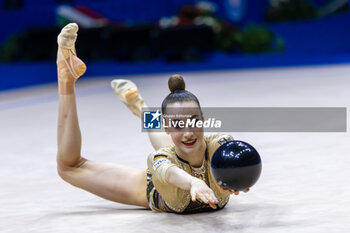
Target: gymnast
[(178, 177)]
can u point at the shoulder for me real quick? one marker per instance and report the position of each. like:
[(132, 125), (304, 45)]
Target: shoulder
[(166, 153), (214, 141), (218, 138)]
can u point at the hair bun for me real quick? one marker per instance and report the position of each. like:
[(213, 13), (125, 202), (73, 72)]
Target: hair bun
[(176, 82)]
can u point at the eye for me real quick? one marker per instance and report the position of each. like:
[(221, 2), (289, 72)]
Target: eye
[(176, 124), (198, 126), (193, 123)]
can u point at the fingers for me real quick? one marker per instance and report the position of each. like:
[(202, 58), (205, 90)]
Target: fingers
[(212, 206), (193, 195), (228, 191), (211, 197), (208, 198), (231, 191), (236, 192), (203, 198), (199, 190)]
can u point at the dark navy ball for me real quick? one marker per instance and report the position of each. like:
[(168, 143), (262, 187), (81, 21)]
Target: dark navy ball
[(236, 165)]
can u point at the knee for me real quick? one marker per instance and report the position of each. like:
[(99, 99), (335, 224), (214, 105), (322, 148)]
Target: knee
[(69, 160), (65, 170)]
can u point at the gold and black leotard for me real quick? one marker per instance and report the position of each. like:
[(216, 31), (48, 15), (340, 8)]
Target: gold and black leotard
[(164, 197)]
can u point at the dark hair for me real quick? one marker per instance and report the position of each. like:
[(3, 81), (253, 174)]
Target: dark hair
[(178, 93)]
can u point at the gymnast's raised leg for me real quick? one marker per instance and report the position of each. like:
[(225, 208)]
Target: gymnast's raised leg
[(110, 181), (128, 93)]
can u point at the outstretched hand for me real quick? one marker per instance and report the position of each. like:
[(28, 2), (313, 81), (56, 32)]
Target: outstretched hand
[(201, 191)]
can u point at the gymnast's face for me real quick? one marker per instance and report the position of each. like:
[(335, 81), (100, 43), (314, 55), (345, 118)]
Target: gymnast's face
[(187, 138)]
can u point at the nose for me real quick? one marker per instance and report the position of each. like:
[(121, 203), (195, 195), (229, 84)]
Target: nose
[(188, 135)]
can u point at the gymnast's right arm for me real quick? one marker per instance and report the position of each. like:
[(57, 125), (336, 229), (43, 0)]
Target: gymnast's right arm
[(198, 188), (173, 175)]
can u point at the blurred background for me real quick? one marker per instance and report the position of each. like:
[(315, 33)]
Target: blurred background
[(139, 37)]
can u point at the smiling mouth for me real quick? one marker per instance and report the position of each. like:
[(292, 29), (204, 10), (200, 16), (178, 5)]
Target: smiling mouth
[(190, 143)]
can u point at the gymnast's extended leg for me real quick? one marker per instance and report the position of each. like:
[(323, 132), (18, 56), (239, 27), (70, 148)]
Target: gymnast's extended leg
[(110, 181)]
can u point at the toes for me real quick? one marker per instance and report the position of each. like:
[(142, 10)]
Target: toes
[(71, 28), (66, 39)]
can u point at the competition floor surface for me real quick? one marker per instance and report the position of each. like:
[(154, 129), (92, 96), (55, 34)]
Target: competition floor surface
[(304, 186)]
